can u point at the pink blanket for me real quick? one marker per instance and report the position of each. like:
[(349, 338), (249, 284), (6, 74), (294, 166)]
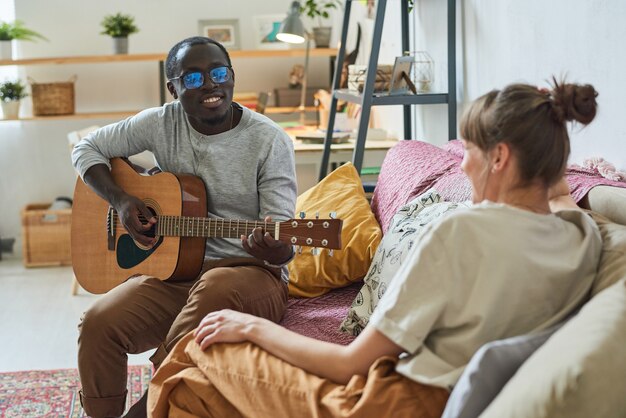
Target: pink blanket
[(581, 180), (412, 167), (320, 317)]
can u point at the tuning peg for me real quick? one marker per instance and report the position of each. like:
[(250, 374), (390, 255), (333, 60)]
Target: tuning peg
[(332, 215), (331, 252), (315, 251), (317, 215), (302, 215)]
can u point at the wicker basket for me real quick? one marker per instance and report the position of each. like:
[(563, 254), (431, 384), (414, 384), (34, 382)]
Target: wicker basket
[(53, 98), (46, 236)]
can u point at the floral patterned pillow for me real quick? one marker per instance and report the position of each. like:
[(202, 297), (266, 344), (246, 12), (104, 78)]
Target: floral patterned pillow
[(405, 228)]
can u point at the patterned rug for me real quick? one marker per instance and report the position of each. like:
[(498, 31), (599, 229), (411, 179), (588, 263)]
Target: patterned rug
[(54, 393)]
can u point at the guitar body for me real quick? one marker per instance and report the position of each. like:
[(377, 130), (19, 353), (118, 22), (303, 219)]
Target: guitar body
[(98, 267)]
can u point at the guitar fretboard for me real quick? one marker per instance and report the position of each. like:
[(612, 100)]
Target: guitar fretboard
[(183, 226)]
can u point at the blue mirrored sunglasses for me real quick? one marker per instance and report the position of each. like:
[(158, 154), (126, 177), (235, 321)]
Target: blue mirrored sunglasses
[(195, 79)]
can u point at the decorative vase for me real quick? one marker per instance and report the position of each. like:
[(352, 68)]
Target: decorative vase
[(322, 36), (120, 45), (423, 71), (6, 50), (10, 109)]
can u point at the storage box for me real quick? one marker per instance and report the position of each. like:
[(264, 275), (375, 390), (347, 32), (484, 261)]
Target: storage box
[(46, 235)]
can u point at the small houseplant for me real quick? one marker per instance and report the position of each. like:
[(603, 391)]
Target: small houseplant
[(16, 30), (118, 27), (11, 92), (320, 10)]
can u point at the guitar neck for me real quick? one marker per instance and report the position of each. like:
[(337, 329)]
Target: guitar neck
[(183, 226), (323, 233)]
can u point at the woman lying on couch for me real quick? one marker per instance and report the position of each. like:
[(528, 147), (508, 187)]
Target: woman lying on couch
[(506, 266)]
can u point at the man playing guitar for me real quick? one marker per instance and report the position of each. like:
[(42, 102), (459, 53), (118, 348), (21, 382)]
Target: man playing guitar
[(247, 164)]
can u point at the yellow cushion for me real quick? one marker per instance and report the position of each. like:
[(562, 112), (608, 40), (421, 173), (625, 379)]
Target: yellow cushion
[(342, 192)]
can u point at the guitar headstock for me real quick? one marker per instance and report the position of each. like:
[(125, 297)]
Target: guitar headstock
[(320, 233)]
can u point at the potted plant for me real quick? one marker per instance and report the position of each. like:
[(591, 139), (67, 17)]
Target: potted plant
[(15, 30), (319, 10), (11, 92), (118, 27)]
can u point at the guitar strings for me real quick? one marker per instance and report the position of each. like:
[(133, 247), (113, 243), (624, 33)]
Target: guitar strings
[(239, 231), (244, 229)]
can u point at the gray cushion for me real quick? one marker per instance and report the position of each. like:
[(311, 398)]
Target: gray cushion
[(489, 370)]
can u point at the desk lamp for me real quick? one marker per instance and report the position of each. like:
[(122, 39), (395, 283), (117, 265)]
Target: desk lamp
[(292, 31)]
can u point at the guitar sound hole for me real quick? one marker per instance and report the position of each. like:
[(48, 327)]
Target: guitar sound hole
[(152, 231)]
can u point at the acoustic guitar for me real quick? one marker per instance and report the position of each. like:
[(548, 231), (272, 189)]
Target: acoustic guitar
[(104, 255)]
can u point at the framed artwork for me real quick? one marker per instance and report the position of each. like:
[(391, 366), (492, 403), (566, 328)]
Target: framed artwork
[(401, 76), (265, 31), (225, 31)]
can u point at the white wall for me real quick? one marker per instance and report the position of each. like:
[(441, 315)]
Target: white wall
[(509, 41), (430, 31)]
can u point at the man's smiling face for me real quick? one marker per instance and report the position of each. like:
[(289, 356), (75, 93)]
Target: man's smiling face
[(209, 105)]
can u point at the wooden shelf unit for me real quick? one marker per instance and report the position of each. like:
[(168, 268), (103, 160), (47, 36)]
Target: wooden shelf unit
[(93, 59), (121, 114), (160, 58)]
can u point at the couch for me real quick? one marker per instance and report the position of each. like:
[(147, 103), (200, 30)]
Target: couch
[(575, 370)]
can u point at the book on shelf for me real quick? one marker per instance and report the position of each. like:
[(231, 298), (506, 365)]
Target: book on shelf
[(318, 137)]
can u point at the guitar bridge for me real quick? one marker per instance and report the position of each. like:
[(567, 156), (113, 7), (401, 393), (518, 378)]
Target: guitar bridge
[(111, 229)]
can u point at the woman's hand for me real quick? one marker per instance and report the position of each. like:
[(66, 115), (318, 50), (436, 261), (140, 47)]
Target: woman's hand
[(559, 197), (559, 189), (264, 247), (225, 326)]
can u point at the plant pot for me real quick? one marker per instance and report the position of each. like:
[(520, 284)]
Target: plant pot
[(10, 109), (322, 36), (6, 50), (120, 45)]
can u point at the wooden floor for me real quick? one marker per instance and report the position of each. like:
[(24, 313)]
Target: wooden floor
[(39, 318)]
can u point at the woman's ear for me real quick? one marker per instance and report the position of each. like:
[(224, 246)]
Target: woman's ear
[(172, 90), (500, 156)]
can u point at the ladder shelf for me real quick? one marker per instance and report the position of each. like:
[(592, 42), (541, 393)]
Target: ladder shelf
[(369, 98)]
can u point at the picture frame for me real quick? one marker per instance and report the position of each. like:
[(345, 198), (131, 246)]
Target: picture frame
[(224, 31), (265, 30), (400, 84)]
